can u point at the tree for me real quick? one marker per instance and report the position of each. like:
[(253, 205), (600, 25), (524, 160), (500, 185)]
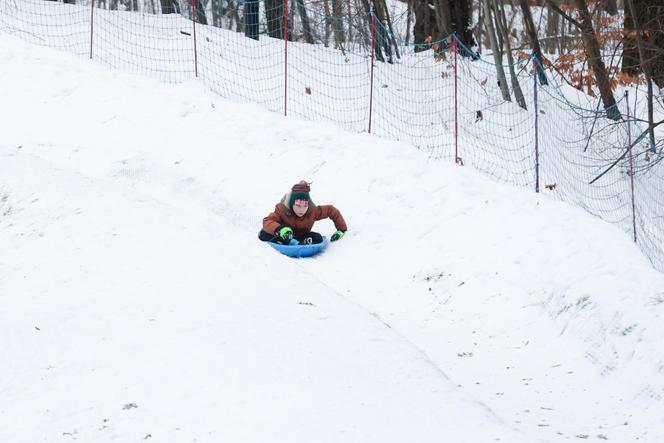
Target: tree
[(644, 53), (610, 6), (170, 7), (201, 17), (337, 23), (593, 54), (461, 13), (437, 19), (644, 25), (306, 25), (496, 48), (531, 32), (425, 29), (501, 21), (217, 13), (251, 10), (385, 41), (274, 16)]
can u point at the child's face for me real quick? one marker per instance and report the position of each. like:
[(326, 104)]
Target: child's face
[(300, 207)]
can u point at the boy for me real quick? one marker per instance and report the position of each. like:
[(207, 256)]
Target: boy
[(295, 215)]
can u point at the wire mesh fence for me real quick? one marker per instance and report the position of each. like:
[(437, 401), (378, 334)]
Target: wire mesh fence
[(346, 63)]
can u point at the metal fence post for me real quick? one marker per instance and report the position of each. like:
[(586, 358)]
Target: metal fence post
[(631, 164)]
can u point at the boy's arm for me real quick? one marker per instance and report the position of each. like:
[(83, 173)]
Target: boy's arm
[(329, 211), (272, 222)]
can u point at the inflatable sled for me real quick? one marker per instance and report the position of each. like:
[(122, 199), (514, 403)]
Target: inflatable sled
[(300, 250)]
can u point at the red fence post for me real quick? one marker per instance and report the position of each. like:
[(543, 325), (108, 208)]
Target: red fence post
[(285, 57), (457, 160), (193, 24), (373, 50), (92, 24), (631, 164), (535, 105)]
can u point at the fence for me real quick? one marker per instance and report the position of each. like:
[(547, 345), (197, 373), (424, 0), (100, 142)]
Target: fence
[(353, 69)]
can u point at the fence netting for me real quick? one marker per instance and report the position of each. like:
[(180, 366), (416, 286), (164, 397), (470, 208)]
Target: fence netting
[(346, 63)]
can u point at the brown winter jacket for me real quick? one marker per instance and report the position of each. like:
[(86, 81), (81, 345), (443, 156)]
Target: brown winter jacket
[(284, 216)]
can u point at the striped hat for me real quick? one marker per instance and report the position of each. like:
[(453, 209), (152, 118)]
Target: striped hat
[(299, 191)]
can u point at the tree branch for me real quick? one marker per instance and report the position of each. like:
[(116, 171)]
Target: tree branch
[(563, 14)]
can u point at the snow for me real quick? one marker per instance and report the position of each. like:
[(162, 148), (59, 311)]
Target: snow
[(138, 304)]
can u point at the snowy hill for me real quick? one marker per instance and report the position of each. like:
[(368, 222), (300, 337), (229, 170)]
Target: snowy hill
[(137, 303)]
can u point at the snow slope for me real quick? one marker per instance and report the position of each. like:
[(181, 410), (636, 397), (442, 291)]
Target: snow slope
[(138, 304)]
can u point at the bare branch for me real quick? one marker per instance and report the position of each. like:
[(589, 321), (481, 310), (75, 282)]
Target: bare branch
[(555, 7)]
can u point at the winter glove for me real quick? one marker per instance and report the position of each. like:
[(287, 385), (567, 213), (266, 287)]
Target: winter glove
[(337, 235), (285, 234)]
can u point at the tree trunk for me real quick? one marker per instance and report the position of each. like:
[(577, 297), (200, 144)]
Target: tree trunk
[(409, 18), (438, 19), (425, 28), (201, 16), (495, 48), (462, 13), (170, 7), (501, 21), (235, 15), (534, 41), (649, 14), (217, 13), (480, 27), (444, 17), (630, 61), (384, 16), (595, 60), (552, 26), (337, 23), (274, 17), (593, 55), (645, 64), (328, 23), (306, 25), (251, 11), (610, 6)]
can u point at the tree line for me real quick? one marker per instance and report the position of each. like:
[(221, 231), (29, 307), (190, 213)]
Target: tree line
[(595, 45)]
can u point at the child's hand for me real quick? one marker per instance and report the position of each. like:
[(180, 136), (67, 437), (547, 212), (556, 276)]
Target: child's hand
[(337, 235), (285, 233)]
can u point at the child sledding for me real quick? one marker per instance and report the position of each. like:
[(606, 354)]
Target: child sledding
[(294, 217)]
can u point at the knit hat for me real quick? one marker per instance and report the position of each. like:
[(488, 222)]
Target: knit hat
[(299, 191)]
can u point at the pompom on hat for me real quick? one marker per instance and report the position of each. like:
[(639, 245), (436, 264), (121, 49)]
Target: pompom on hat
[(299, 191)]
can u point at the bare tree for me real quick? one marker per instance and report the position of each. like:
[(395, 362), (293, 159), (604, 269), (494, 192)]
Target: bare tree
[(609, 6), (552, 30), (217, 13), (337, 23), (425, 29), (170, 7), (306, 25), (593, 53), (496, 48), (534, 41), (501, 22), (250, 13), (274, 17), (645, 62), (200, 15), (648, 17)]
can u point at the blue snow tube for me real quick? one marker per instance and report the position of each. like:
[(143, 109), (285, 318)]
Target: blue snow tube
[(300, 250)]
